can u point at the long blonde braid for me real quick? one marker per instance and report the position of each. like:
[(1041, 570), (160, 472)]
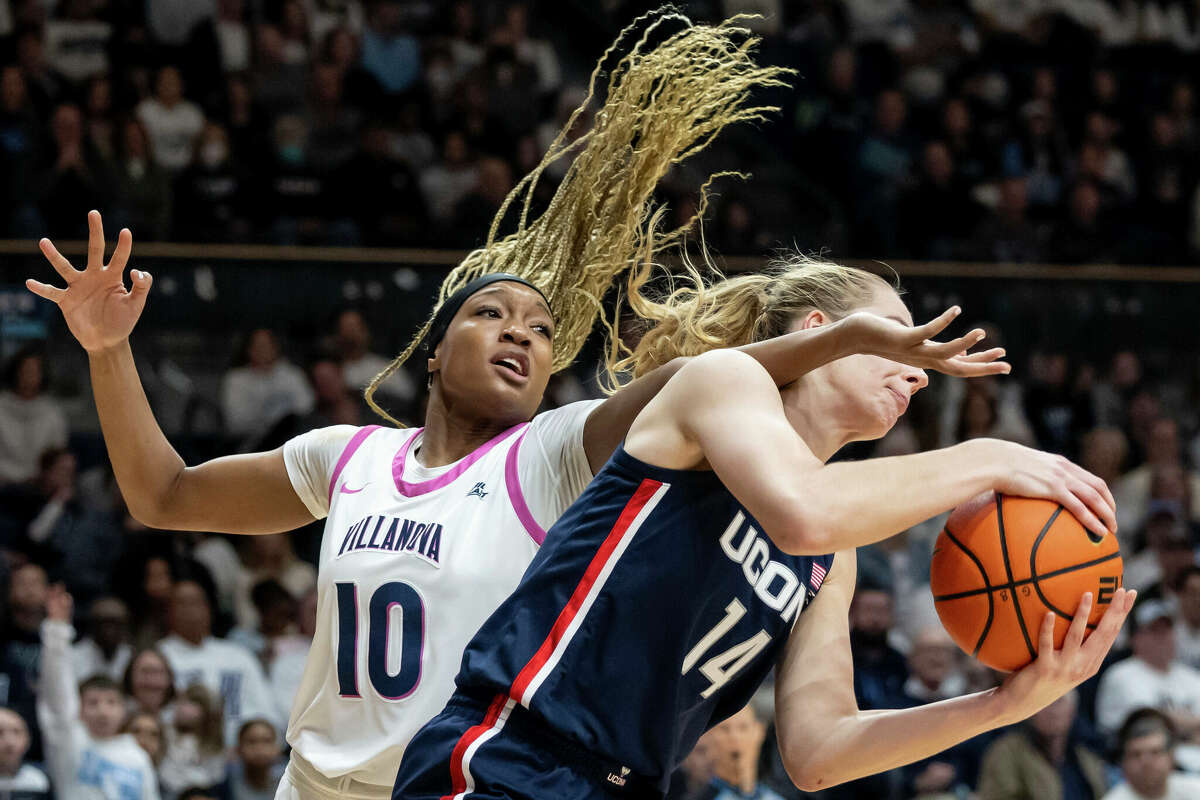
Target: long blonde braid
[(663, 103)]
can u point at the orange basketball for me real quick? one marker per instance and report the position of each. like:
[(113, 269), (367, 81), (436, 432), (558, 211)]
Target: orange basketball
[(1002, 562)]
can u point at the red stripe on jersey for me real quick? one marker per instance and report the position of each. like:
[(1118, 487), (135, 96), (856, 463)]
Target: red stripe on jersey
[(457, 776), (640, 497)]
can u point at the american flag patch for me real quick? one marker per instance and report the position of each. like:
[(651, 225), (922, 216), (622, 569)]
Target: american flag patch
[(818, 575)]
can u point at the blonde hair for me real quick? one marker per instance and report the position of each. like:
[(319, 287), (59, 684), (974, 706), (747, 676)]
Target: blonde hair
[(731, 312), (663, 102)]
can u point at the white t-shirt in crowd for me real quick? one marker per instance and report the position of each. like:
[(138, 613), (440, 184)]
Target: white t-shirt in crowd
[(89, 660), (413, 560), (78, 48), (1187, 644), (253, 400), (30, 783), (28, 428), (1132, 683), (172, 131), (84, 768), (228, 671), (1179, 787)]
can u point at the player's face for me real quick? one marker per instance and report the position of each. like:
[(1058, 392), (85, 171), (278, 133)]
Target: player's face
[(494, 361), (867, 395)]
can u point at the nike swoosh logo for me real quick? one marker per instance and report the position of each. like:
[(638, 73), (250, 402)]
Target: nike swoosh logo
[(344, 490)]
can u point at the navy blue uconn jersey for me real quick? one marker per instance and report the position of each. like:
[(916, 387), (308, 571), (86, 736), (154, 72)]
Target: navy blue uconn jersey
[(654, 610)]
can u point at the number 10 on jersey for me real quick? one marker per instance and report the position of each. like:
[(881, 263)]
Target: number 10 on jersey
[(387, 685)]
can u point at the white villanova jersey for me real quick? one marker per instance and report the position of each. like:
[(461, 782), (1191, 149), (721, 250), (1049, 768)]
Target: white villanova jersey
[(413, 560)]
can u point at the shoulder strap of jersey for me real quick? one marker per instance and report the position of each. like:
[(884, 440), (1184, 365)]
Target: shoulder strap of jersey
[(355, 442)]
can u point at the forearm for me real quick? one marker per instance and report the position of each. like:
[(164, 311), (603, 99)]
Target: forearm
[(58, 694), (870, 742), (144, 462), (790, 357), (840, 502)]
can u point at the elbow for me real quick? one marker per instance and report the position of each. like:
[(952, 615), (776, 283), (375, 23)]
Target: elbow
[(805, 531), (809, 774), (154, 511)]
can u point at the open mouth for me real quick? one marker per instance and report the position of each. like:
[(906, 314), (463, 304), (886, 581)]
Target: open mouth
[(517, 363)]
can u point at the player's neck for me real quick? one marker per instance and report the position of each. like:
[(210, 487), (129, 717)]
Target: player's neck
[(449, 437), (811, 418)]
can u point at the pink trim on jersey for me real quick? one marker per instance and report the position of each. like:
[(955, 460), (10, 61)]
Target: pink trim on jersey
[(531, 676), (355, 441), (513, 481), (446, 478)]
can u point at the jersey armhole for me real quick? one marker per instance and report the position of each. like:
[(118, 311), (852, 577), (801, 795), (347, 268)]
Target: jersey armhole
[(512, 482)]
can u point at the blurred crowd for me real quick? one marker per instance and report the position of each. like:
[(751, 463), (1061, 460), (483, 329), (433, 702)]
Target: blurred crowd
[(1010, 130)]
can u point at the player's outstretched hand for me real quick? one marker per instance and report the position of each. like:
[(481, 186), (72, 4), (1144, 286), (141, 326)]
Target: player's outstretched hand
[(59, 603), (1057, 671), (98, 308), (880, 336)]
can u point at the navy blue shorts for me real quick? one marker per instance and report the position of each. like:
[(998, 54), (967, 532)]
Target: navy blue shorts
[(500, 751)]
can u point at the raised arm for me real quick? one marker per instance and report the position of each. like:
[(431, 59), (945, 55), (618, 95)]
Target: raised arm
[(789, 357), (815, 681), (236, 494), (722, 408)]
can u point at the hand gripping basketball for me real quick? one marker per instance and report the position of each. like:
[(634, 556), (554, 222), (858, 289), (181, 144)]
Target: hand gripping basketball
[(1056, 671), (98, 308)]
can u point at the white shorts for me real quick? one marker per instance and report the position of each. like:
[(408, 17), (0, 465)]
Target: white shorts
[(301, 781)]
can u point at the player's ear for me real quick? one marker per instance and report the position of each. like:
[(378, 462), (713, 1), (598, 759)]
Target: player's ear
[(813, 319), (433, 364)]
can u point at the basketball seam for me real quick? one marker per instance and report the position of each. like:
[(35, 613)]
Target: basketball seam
[(987, 626), (1008, 571), (1047, 576), (1033, 575)]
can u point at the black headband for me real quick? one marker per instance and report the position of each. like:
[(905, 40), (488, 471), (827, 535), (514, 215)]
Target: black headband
[(441, 319)]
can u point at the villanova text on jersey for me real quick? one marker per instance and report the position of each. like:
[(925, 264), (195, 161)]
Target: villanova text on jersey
[(654, 610), (394, 535)]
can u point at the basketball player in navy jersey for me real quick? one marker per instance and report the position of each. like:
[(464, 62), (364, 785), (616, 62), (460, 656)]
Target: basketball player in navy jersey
[(717, 543)]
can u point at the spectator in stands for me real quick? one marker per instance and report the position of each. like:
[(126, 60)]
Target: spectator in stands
[(21, 644), (294, 28), (149, 683), (1187, 626), (140, 186), (938, 213), (1040, 154), (380, 189), (270, 556), (278, 87), (77, 41), (1169, 548), (446, 182), (276, 632), (298, 203), (933, 668), (81, 724), (1153, 676), (263, 389), (734, 747), (1146, 743), (1042, 760), (233, 36), (31, 421), (1103, 452), (99, 122), (285, 667), (352, 346), (212, 193), (1083, 237), (1008, 235), (390, 53), (335, 404), (172, 121), (884, 165), (255, 770), (473, 213), (107, 649), (67, 184), (150, 734), (20, 139), (223, 668), (44, 84), (333, 124), (19, 779), (195, 744), (1059, 409), (880, 671), (1164, 456)]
